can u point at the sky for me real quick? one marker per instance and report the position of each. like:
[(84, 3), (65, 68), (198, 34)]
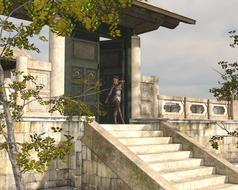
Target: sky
[(185, 59)]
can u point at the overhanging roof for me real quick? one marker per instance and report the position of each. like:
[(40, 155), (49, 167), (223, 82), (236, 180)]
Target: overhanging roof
[(143, 17)]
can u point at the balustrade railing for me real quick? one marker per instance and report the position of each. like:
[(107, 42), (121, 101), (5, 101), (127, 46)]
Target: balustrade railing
[(173, 107)]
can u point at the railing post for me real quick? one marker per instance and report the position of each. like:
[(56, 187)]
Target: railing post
[(185, 108), (209, 109)]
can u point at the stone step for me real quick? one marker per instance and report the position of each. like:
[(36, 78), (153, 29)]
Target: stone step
[(200, 182), (157, 148), (145, 140), (176, 155), (176, 164), (130, 134), (235, 164), (181, 174), (221, 187), (129, 127)]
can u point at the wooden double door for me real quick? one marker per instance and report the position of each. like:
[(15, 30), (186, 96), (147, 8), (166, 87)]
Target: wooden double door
[(99, 61)]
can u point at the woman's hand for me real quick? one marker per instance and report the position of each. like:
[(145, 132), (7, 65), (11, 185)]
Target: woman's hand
[(106, 101)]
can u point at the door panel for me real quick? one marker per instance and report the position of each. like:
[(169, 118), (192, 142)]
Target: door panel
[(81, 62), (112, 62)]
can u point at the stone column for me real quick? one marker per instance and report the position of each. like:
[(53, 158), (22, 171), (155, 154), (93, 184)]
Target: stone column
[(135, 77), (57, 59), (156, 93), (21, 66), (234, 110)]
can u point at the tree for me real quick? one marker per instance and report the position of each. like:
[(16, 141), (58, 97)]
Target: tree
[(228, 89), (62, 16)]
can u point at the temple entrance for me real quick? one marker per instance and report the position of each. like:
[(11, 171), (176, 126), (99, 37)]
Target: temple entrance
[(90, 58), (112, 62)]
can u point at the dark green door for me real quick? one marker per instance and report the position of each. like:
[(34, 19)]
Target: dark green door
[(112, 62), (81, 62)]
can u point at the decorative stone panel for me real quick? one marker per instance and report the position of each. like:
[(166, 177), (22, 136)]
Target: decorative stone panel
[(85, 50)]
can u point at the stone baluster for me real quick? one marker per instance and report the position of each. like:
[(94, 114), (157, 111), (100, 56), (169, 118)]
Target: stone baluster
[(209, 109)]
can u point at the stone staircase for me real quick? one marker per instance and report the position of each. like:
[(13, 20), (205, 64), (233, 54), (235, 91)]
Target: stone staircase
[(179, 167)]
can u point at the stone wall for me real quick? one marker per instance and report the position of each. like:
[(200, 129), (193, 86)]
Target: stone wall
[(149, 101), (58, 173), (202, 131), (42, 73), (97, 176), (81, 169)]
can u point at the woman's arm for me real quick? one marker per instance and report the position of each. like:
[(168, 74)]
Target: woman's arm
[(109, 94)]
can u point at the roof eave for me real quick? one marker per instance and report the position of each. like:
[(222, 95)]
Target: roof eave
[(159, 10)]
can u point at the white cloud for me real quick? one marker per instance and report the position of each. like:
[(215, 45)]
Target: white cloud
[(184, 58)]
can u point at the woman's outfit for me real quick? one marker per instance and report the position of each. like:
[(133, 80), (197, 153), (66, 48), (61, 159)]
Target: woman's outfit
[(115, 92)]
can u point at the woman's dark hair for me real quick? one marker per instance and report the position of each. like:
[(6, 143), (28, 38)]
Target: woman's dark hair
[(115, 77)]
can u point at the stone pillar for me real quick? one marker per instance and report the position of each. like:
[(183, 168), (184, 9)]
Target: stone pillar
[(156, 93), (21, 66), (57, 59), (234, 110), (135, 77)]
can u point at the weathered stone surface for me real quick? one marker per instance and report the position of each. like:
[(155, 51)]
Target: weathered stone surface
[(223, 167), (124, 163)]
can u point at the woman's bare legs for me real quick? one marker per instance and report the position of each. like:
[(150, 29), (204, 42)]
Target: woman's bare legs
[(115, 116), (118, 111)]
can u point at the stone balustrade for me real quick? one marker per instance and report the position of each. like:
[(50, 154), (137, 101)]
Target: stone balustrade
[(153, 105), (41, 71), (174, 107)]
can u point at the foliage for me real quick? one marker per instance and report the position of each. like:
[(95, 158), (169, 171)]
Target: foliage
[(46, 150), (228, 89), (44, 146), (62, 17), (234, 38), (214, 141)]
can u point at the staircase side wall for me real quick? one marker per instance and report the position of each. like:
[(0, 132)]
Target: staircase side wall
[(82, 169), (57, 171), (202, 131), (223, 167), (97, 176)]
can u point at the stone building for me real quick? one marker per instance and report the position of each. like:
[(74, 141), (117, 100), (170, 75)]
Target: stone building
[(99, 56), (149, 153)]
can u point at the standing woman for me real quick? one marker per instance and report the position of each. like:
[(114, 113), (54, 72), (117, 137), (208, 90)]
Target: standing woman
[(115, 92)]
